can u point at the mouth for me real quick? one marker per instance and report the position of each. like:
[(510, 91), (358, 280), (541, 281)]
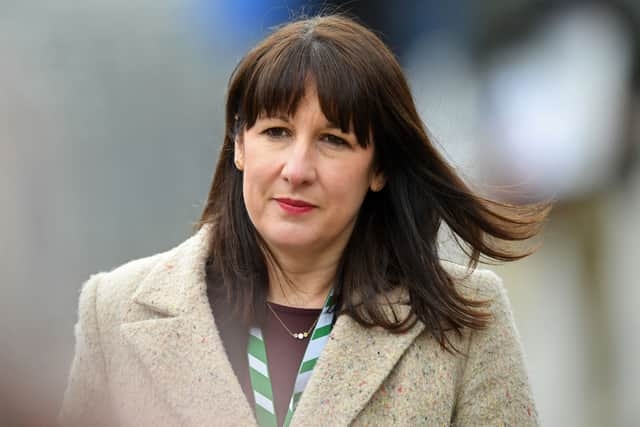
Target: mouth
[(294, 206)]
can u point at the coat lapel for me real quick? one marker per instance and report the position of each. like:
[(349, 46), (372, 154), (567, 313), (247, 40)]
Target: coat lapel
[(180, 345), (352, 366)]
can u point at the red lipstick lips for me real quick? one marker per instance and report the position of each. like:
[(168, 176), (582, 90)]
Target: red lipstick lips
[(294, 206)]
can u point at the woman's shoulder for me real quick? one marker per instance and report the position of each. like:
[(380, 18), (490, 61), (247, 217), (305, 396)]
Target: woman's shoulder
[(124, 278), (484, 286), (116, 288), (476, 283), (471, 283)]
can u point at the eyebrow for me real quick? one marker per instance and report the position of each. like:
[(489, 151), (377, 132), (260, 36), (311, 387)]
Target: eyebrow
[(328, 124)]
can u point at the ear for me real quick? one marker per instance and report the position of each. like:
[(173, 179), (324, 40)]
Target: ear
[(378, 180), (238, 153)]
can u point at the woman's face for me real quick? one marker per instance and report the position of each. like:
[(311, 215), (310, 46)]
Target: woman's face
[(304, 180)]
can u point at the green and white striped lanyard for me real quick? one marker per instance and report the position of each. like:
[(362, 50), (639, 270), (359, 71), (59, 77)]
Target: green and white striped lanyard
[(259, 372)]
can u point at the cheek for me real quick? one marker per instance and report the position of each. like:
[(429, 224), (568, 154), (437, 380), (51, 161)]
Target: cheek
[(251, 186), (349, 185), (251, 195), (257, 179)]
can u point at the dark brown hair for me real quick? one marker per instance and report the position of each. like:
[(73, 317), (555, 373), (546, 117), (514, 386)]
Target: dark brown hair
[(360, 85)]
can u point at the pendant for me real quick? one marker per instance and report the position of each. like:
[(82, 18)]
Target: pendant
[(301, 335)]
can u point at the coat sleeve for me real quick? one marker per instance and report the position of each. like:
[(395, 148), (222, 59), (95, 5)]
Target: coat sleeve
[(86, 399), (494, 389)]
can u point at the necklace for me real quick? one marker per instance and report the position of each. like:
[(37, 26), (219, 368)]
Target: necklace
[(297, 335), (259, 366)]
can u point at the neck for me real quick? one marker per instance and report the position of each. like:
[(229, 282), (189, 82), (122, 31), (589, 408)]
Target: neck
[(299, 283)]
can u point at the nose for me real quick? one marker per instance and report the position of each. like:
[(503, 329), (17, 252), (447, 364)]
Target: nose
[(299, 165)]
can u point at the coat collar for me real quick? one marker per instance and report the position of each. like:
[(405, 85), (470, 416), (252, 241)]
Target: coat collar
[(180, 346)]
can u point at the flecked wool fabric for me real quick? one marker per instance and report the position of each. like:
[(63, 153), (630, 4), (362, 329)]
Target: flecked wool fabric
[(148, 354)]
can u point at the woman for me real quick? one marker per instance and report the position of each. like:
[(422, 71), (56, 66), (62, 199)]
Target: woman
[(313, 292)]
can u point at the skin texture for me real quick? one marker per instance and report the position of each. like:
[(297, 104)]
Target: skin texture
[(306, 158)]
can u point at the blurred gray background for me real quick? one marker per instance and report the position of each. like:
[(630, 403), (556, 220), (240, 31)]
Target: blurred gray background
[(111, 116)]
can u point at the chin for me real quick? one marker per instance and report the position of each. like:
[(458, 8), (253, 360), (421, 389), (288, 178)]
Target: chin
[(292, 243), (291, 238)]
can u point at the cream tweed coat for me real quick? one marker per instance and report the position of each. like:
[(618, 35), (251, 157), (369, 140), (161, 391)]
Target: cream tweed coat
[(148, 354)]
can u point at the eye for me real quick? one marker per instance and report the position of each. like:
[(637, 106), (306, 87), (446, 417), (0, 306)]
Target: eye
[(335, 140), (276, 132)]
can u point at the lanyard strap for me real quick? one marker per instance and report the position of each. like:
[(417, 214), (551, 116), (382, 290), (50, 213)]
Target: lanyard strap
[(259, 371)]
